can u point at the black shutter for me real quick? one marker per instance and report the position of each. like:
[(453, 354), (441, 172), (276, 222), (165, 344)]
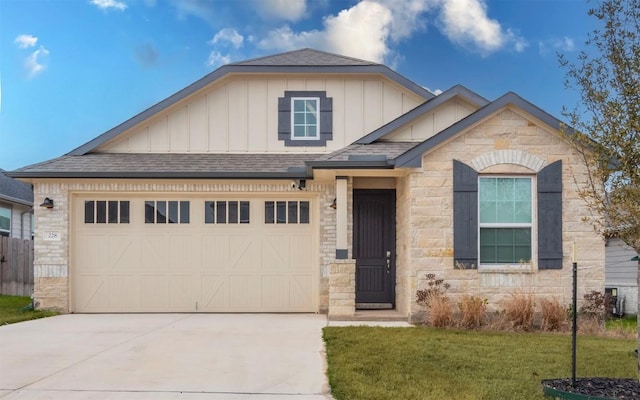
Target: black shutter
[(465, 216), (284, 117), (550, 216)]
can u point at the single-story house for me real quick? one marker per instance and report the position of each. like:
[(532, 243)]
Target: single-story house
[(16, 205), (621, 274), (312, 182)]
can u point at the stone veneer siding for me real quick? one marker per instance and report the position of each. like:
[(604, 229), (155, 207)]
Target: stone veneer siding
[(51, 257), (507, 143)]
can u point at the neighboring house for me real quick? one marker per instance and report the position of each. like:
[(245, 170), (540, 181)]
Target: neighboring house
[(312, 182), (16, 206), (621, 273)]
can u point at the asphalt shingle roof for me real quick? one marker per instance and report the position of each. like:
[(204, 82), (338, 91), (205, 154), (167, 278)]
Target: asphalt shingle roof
[(135, 165), (389, 149), (305, 57), (15, 191)]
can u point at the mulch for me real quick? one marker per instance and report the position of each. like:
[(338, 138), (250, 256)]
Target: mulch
[(608, 388)]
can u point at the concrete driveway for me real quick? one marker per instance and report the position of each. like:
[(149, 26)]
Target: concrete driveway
[(164, 356)]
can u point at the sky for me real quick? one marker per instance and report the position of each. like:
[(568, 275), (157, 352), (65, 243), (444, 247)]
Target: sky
[(72, 69)]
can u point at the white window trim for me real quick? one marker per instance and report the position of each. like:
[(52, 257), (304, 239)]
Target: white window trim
[(317, 136), (519, 267)]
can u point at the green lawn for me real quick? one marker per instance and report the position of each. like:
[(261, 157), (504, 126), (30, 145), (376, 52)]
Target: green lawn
[(627, 324), (426, 363), (15, 309)]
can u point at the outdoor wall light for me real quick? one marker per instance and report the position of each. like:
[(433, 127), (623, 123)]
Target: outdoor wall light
[(334, 204), (47, 203), (302, 184)]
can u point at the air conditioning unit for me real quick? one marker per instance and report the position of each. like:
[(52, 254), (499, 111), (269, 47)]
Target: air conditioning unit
[(615, 303)]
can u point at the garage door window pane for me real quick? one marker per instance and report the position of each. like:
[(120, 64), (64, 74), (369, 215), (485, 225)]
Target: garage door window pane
[(124, 212), (101, 212), (89, 211), (304, 212), (233, 212), (113, 212), (173, 212), (149, 212), (281, 207), (293, 212), (226, 212), (161, 212), (269, 212), (221, 212), (244, 212), (286, 212), (185, 214)]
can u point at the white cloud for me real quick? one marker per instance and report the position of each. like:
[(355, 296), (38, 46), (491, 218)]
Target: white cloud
[(368, 29), (361, 31), (288, 10), (216, 59), (34, 64), (229, 35), (107, 4), (26, 41), (203, 9), (465, 22), (565, 44), (408, 16)]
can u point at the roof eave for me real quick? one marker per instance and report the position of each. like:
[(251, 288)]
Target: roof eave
[(16, 200), (164, 175)]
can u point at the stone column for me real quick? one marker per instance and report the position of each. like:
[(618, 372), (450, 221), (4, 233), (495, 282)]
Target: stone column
[(342, 289)]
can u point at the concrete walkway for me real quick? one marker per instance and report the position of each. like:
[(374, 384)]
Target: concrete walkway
[(164, 356)]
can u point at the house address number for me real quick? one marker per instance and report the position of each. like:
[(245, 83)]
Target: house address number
[(52, 236)]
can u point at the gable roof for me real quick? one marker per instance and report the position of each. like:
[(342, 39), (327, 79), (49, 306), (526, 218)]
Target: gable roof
[(413, 157), (422, 109), (298, 61), (14, 191)]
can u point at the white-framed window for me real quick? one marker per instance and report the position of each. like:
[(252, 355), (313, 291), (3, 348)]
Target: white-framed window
[(505, 208), (5, 221), (305, 124)]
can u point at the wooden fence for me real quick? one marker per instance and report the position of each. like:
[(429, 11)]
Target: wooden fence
[(16, 266)]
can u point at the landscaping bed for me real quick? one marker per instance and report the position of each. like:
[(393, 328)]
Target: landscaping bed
[(593, 388)]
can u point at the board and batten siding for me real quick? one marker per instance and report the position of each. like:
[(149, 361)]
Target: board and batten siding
[(433, 122), (240, 114)]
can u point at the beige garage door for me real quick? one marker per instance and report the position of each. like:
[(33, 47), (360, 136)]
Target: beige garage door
[(193, 254)]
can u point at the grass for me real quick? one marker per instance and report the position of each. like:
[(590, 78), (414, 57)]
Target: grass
[(628, 324), (429, 363), (17, 309)]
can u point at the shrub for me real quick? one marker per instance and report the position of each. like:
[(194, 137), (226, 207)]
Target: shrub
[(440, 313), (472, 311), (519, 311), (595, 306), (434, 298), (554, 315), (435, 288)]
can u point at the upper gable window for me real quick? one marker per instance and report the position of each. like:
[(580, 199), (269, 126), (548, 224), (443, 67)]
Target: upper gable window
[(305, 118)]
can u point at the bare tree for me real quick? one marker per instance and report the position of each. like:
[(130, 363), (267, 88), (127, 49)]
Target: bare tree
[(606, 120)]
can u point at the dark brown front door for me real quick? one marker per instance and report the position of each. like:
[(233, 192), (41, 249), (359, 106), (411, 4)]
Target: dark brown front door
[(374, 247)]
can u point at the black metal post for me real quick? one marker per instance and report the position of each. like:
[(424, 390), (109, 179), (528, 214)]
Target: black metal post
[(574, 332)]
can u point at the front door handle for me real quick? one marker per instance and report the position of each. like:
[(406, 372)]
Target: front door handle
[(388, 261)]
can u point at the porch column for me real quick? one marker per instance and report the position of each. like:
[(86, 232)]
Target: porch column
[(342, 250)]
